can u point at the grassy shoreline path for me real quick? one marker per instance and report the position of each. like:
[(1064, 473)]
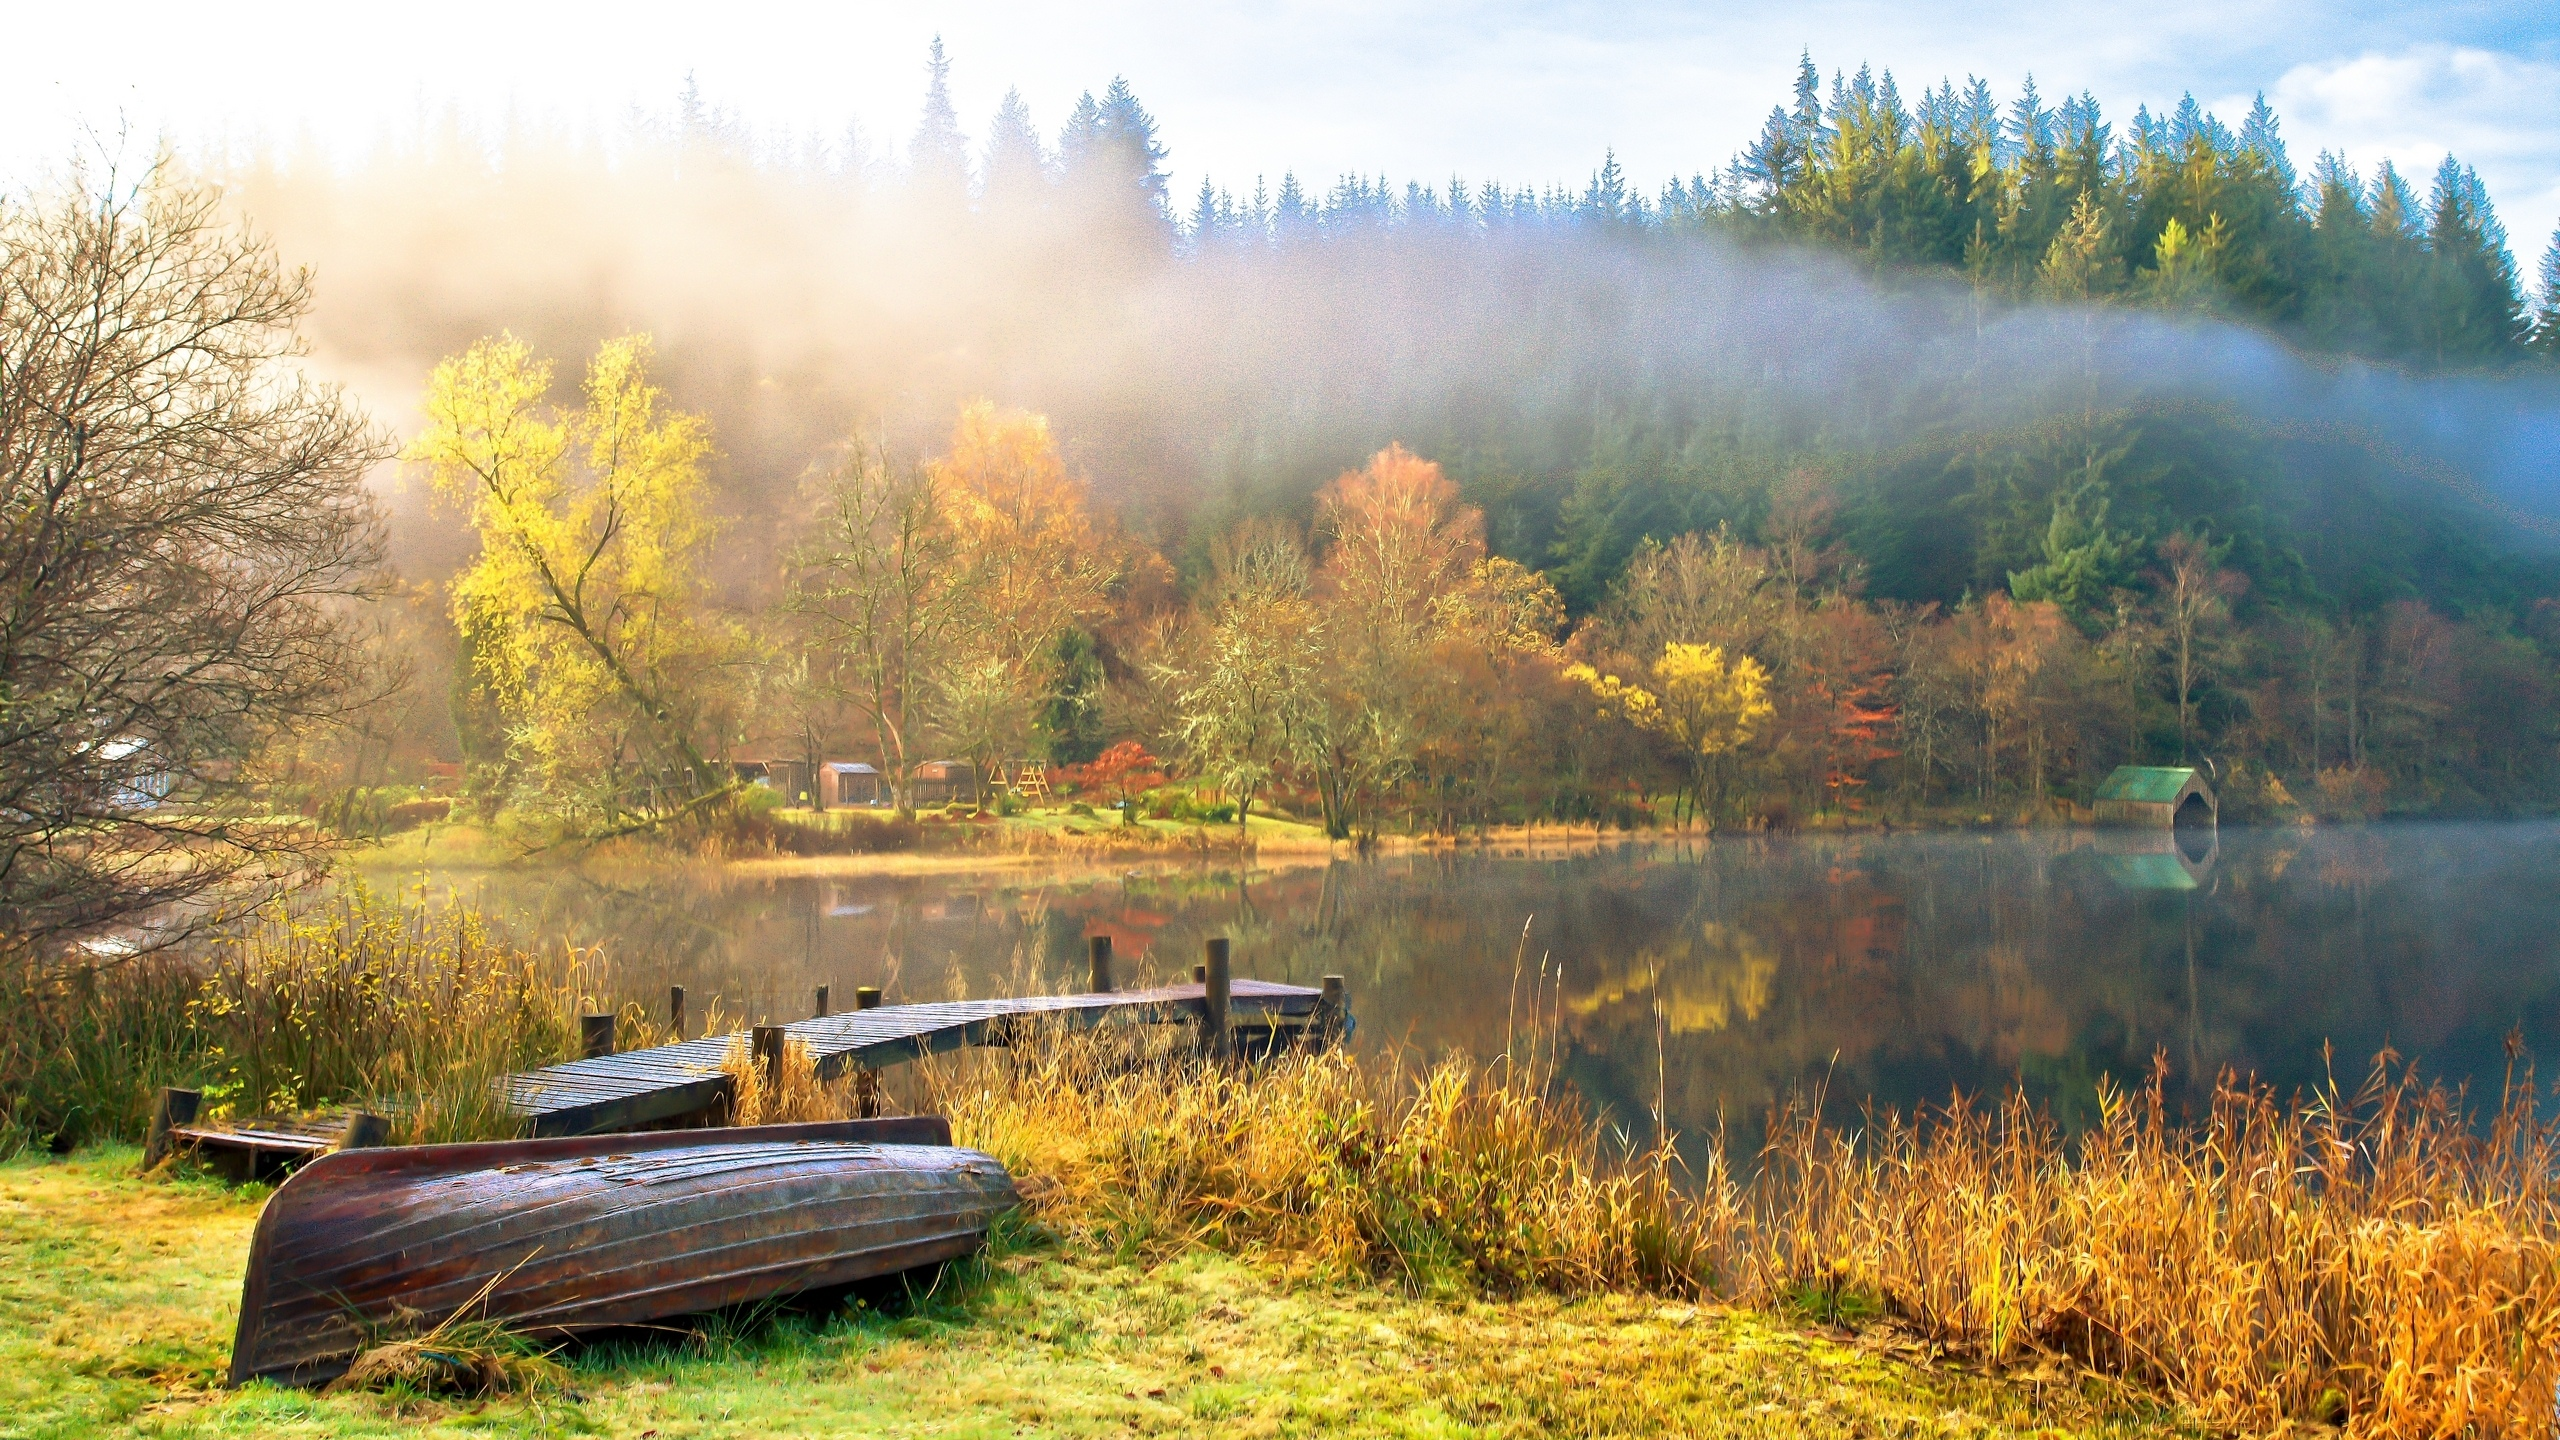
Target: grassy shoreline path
[(117, 1298)]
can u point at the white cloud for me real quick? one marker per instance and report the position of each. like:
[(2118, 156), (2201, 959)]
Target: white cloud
[(2500, 113)]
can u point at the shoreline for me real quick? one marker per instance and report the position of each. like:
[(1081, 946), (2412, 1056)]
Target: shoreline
[(989, 850), (127, 1325)]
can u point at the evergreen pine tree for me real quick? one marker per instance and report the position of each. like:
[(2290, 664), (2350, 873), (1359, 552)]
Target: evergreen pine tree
[(1806, 122), (1204, 218), (1292, 218), (938, 161), (1080, 137), (1017, 170), (1133, 159), (2029, 132), (2545, 340), (2478, 311), (1774, 162), (2260, 143), (1606, 199)]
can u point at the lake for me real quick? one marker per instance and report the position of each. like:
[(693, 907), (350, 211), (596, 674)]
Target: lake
[(1716, 975)]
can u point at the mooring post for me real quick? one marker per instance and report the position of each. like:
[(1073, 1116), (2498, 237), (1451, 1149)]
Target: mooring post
[(1099, 982), (1200, 973), (1332, 1007), (595, 1035), (175, 1107), (675, 1010), (866, 1081), (822, 1002), (1213, 1001), (766, 1043), (365, 1130)]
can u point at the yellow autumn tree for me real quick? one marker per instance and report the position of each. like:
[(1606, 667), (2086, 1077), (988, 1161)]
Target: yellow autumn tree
[(1699, 700), (583, 609)]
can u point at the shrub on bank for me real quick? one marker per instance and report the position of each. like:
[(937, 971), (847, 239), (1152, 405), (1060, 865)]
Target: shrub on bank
[(772, 831)]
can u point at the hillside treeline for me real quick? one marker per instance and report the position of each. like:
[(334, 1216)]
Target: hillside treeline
[(1987, 427), (1381, 667)]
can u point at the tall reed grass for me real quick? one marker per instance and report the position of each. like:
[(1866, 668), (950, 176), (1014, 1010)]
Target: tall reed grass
[(83, 1046), (409, 1009), (2372, 1257)]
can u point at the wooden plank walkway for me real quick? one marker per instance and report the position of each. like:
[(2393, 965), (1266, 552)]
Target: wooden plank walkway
[(642, 1087)]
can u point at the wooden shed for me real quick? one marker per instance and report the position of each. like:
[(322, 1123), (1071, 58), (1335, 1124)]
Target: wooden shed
[(850, 782), (2160, 797), (939, 782)]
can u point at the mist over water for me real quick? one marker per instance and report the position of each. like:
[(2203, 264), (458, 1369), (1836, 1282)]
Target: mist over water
[(1717, 977)]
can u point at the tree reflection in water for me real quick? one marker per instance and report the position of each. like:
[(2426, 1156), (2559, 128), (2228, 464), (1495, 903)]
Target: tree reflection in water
[(1723, 974)]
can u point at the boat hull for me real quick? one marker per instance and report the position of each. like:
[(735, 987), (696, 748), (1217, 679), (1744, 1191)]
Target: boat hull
[(559, 1236)]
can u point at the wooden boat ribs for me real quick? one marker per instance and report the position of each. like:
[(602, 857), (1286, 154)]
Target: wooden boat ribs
[(566, 1235)]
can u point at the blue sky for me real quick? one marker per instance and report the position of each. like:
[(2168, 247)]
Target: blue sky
[(1522, 92)]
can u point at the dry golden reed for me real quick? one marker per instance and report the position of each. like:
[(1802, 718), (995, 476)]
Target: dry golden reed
[(1454, 1175), (2367, 1258), (2372, 1257), (756, 1099), (413, 1009)]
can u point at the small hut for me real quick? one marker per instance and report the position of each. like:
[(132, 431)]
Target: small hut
[(939, 782), (850, 782), (2160, 797), (796, 781)]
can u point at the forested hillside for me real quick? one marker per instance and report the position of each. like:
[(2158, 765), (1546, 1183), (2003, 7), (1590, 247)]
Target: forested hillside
[(2017, 444)]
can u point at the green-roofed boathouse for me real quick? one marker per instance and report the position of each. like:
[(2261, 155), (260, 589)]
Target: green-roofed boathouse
[(2158, 796)]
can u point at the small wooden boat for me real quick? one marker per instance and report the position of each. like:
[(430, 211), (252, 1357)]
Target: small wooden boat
[(559, 1236)]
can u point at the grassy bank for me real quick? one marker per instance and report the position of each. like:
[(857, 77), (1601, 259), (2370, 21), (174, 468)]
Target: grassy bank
[(2377, 1257), (117, 1300)]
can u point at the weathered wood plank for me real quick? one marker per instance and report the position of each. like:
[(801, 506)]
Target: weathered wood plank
[(643, 1087)]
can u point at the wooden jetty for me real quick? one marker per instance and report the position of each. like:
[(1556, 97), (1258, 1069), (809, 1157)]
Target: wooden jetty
[(636, 1088)]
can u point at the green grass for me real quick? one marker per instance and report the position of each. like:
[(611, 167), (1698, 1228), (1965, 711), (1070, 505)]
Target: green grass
[(117, 1299)]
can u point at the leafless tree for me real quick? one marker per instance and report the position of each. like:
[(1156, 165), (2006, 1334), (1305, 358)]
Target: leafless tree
[(183, 526), (873, 581)]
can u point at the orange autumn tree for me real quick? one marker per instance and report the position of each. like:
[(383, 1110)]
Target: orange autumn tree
[(1030, 564), (1400, 545)]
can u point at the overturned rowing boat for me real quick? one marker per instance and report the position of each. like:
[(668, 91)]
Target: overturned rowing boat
[(559, 1236)]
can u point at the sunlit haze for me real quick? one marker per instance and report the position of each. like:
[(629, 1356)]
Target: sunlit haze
[(1524, 93)]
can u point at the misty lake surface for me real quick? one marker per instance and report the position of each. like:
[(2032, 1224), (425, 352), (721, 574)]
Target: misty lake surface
[(1716, 974)]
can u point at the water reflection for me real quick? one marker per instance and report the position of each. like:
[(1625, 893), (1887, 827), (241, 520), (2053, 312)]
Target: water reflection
[(1718, 976)]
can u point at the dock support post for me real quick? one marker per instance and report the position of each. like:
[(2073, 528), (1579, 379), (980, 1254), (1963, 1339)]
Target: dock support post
[(175, 1107), (866, 1081), (595, 1035), (675, 1011), (365, 1130), (1332, 1007), (1099, 982), (766, 1043), (822, 1002), (1217, 979)]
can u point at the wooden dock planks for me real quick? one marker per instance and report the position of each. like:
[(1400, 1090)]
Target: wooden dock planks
[(643, 1087)]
